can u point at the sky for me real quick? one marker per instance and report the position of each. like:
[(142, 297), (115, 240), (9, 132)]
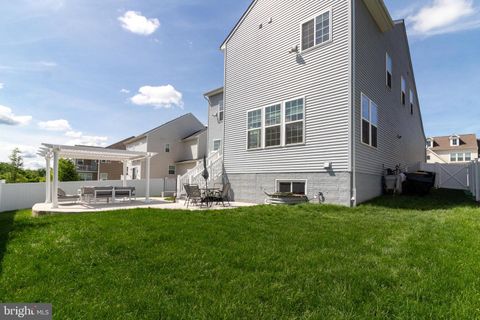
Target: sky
[(95, 72)]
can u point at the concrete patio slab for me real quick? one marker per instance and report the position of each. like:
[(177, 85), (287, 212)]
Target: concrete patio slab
[(40, 209)]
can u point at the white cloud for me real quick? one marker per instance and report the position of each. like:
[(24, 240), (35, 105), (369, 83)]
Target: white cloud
[(125, 91), (7, 117), (444, 16), (159, 97), (85, 140), (1, 85), (48, 64), (55, 125), (134, 22)]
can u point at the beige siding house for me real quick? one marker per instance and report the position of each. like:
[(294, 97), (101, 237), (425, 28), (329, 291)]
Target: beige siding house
[(452, 149), (179, 144)]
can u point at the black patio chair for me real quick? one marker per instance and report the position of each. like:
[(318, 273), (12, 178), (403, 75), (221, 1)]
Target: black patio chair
[(194, 195), (222, 196)]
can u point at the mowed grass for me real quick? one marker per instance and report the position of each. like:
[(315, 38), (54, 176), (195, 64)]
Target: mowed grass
[(394, 258)]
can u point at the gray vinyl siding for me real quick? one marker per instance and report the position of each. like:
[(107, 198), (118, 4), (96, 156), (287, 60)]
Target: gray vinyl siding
[(260, 71), (394, 119), (215, 127)]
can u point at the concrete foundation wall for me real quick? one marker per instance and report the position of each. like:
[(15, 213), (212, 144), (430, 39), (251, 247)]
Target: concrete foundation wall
[(369, 186), (335, 186)]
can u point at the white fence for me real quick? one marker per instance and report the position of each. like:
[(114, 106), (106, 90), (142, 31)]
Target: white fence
[(17, 196), (461, 176)]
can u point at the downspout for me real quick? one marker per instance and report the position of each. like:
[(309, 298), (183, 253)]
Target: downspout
[(353, 186)]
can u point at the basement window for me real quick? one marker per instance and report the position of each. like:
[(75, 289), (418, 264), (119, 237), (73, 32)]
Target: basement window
[(295, 187)]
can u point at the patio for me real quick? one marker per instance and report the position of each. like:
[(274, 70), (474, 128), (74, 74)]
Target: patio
[(154, 203)]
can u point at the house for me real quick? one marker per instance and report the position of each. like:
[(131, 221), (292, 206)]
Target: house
[(179, 144), (319, 97), (215, 119), (87, 169), (112, 170), (452, 149)]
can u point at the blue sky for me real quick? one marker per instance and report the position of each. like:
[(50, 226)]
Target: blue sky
[(94, 72)]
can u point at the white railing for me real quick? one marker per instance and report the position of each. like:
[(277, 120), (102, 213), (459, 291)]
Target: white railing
[(194, 176)]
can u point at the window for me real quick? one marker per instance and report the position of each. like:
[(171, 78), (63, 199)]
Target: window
[(167, 147), (317, 30), (429, 143), (454, 142), (171, 169), (294, 121), (295, 187), (453, 157), (460, 157), (216, 144), (389, 71), (103, 176), (411, 102), (254, 129), (428, 158), (468, 156), (369, 122), (404, 91), (80, 162), (105, 161), (221, 111), (273, 120)]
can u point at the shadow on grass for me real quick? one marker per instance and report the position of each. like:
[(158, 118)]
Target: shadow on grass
[(440, 199), (6, 226)]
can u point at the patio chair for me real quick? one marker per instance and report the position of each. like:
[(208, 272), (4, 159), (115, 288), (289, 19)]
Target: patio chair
[(64, 197), (194, 195), (222, 196)]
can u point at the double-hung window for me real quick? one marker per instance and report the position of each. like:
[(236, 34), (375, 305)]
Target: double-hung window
[(167, 147), (468, 156), (369, 122), (171, 169), (317, 30), (273, 128), (221, 111), (389, 71), (294, 121), (411, 102), (403, 96), (254, 135), (217, 144)]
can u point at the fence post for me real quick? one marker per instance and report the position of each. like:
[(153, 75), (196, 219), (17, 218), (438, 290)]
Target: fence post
[(477, 180), (2, 182)]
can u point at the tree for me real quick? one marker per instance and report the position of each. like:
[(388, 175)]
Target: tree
[(16, 162), (67, 171)]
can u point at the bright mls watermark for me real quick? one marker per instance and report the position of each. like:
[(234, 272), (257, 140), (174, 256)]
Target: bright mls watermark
[(34, 311)]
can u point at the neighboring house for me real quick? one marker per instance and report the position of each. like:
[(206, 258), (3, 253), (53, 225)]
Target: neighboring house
[(87, 169), (112, 170), (180, 143), (452, 149), (216, 115), (319, 97)]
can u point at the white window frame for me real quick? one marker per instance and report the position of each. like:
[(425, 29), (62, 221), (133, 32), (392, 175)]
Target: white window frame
[(465, 156), (167, 147), (429, 143), (221, 112), (283, 125), (403, 91), (314, 18), (452, 139), (291, 181), (453, 157), (369, 121), (265, 127), (102, 175), (219, 145), (174, 169), (248, 130), (387, 57)]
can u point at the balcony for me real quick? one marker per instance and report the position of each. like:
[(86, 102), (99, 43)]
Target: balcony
[(87, 168)]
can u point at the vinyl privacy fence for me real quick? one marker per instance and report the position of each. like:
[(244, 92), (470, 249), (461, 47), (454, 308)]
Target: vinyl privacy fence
[(458, 176), (15, 196)]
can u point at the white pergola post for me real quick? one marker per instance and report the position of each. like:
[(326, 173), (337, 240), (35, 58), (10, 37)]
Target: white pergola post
[(48, 181), (55, 180), (124, 183), (147, 175)]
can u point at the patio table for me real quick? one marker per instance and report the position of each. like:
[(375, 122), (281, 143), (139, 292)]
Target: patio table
[(209, 192)]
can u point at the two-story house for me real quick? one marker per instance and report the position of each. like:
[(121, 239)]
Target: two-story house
[(179, 144), (319, 97), (452, 149), (112, 170)]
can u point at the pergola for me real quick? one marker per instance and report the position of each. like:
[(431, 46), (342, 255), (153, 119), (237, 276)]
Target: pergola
[(55, 152)]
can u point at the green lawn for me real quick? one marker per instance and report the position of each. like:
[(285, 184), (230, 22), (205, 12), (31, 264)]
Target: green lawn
[(402, 258)]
